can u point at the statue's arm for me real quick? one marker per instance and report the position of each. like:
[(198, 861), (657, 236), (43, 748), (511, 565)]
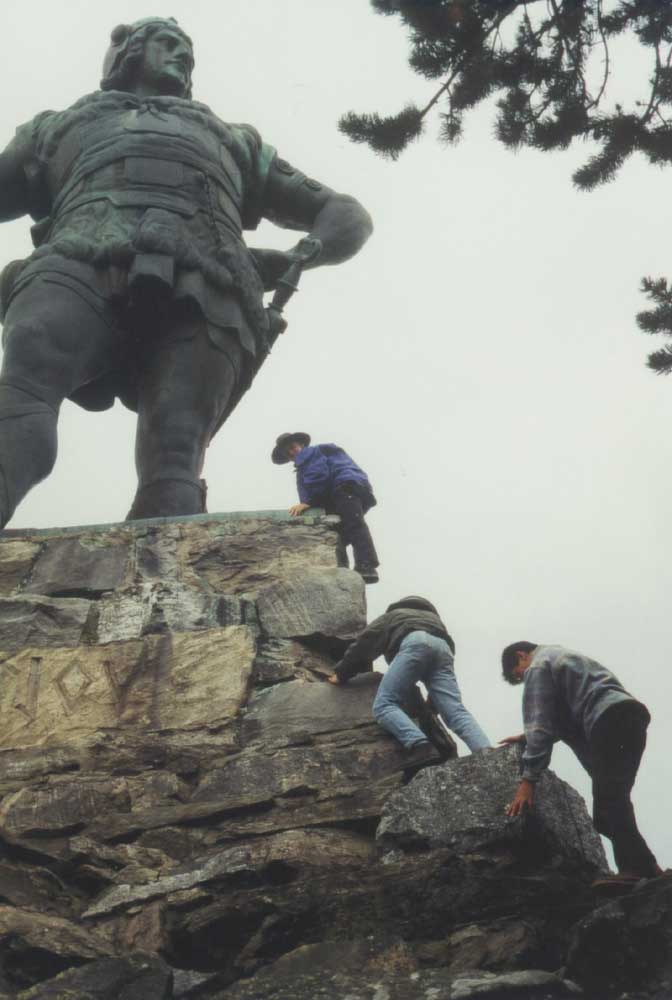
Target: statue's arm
[(14, 191), (339, 221)]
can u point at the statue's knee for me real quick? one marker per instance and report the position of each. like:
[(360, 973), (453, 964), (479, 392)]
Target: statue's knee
[(47, 447), (28, 444), (29, 430), (24, 338), (35, 358)]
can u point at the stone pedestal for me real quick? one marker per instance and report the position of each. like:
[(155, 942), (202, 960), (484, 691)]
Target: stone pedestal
[(184, 800)]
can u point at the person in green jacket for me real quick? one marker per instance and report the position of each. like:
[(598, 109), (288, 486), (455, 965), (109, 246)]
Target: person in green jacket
[(416, 644)]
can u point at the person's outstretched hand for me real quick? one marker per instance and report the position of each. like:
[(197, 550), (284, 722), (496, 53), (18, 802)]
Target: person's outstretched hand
[(298, 508), (523, 799), (509, 740), (334, 679)]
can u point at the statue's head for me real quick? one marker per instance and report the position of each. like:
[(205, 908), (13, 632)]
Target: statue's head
[(154, 51)]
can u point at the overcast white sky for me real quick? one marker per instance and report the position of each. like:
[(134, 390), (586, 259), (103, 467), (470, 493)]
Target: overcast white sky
[(479, 357)]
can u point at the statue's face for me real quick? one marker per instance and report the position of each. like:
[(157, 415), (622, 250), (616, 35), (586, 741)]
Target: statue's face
[(167, 63)]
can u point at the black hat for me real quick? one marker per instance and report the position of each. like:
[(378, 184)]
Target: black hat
[(279, 454)]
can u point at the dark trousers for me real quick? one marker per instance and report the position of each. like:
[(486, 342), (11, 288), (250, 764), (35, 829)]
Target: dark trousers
[(351, 502), (616, 745)]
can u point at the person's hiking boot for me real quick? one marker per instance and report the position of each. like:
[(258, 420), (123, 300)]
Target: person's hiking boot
[(369, 574), (421, 754), (429, 721)]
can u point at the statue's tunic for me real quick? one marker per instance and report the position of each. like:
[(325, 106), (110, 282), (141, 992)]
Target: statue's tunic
[(127, 192)]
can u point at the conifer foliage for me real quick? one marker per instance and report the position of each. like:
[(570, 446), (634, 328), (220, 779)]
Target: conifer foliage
[(551, 66), (658, 320)]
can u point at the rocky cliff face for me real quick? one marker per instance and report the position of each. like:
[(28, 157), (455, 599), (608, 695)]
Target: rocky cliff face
[(187, 809)]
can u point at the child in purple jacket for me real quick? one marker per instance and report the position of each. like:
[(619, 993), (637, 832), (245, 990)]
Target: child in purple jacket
[(327, 477)]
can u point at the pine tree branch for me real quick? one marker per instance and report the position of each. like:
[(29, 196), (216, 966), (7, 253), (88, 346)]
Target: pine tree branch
[(570, 53), (654, 89), (541, 72), (445, 87), (605, 45)]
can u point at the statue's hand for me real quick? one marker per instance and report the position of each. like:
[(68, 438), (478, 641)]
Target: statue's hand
[(274, 264), (307, 250), (271, 264)]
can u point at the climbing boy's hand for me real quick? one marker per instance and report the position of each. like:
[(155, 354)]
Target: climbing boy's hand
[(298, 508), (508, 740)]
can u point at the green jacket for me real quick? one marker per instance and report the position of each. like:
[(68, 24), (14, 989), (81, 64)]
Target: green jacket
[(384, 635)]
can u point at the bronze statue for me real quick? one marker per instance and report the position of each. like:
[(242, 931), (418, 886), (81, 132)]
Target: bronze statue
[(141, 285)]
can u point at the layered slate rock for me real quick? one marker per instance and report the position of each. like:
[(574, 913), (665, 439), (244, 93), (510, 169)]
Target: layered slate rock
[(296, 712), (42, 621), (130, 659), (188, 809), (88, 565), (359, 970), (311, 603), (627, 942), (16, 561), (138, 977)]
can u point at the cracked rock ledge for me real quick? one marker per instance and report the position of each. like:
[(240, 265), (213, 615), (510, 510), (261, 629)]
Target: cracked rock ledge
[(187, 809)]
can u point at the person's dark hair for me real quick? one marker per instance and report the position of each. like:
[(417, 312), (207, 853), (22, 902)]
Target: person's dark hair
[(123, 73), (510, 657)]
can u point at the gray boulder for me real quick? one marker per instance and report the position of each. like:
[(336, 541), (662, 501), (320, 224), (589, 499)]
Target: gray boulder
[(462, 805)]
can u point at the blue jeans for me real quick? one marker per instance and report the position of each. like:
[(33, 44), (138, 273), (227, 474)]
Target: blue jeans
[(424, 657)]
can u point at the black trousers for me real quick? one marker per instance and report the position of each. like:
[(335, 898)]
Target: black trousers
[(351, 502), (616, 745)]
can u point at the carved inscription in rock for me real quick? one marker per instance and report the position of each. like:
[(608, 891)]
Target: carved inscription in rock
[(56, 696)]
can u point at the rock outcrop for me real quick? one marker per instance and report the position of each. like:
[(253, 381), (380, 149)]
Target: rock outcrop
[(187, 809)]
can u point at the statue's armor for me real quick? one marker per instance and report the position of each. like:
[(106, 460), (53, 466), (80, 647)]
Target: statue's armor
[(160, 188), (127, 193)]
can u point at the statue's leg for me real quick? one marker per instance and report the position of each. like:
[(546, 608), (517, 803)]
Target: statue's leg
[(185, 384), (54, 342)]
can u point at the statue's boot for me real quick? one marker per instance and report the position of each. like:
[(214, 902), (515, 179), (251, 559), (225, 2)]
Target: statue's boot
[(168, 498), (27, 442)]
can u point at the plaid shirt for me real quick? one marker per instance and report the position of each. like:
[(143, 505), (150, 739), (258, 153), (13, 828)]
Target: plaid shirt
[(565, 694)]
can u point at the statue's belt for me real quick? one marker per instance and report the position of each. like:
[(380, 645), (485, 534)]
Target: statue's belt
[(141, 198)]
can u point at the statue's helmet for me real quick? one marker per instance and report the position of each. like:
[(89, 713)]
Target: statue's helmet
[(127, 44)]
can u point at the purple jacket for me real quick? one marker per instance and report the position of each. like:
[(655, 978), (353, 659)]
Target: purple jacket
[(321, 467)]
